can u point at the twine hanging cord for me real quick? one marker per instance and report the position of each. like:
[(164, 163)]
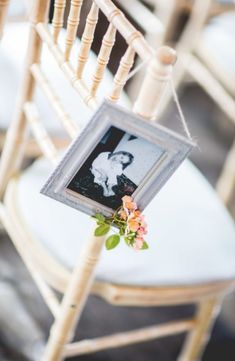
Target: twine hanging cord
[(175, 96)]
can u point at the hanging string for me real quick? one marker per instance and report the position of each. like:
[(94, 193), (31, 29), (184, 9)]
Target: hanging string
[(178, 106), (174, 93), (138, 68)]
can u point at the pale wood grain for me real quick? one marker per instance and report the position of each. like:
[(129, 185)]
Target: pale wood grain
[(103, 58), (87, 39), (58, 18), (72, 25), (3, 12), (12, 153), (121, 75), (157, 76), (226, 183), (74, 299), (128, 338), (198, 337), (79, 85), (79, 283)]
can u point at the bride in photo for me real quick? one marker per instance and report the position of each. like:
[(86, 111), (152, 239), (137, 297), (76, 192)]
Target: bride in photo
[(107, 167)]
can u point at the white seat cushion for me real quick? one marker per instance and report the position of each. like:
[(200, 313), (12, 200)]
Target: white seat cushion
[(191, 235), (18, 8), (12, 55), (216, 46)]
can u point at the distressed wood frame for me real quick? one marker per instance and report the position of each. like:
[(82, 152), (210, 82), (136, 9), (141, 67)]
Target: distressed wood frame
[(174, 150)]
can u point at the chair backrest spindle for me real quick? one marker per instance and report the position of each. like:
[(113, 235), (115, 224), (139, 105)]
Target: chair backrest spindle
[(121, 75), (103, 57), (58, 18), (158, 72), (72, 26), (87, 39), (146, 104)]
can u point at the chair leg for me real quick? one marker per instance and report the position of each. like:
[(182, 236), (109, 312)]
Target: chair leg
[(74, 300), (198, 337)]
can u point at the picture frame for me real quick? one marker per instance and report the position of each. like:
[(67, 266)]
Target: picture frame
[(118, 153)]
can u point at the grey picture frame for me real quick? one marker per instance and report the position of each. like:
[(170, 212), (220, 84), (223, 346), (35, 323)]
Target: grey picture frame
[(175, 149)]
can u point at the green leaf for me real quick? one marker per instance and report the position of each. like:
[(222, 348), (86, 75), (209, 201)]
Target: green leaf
[(127, 241), (112, 241), (100, 217), (145, 246), (130, 239), (99, 223), (102, 230)]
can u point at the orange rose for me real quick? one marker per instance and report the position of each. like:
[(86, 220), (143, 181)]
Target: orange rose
[(128, 203), (133, 225), (126, 199), (136, 213)]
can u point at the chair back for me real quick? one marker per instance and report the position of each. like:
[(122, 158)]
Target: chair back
[(42, 33)]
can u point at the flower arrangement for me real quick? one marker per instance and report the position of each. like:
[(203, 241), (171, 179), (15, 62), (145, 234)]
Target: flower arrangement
[(130, 223)]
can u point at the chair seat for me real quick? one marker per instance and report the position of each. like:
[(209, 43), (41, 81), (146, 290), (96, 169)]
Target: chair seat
[(216, 47), (18, 9), (191, 235), (12, 53)]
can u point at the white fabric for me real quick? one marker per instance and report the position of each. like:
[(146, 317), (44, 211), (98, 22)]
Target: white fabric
[(191, 235), (12, 55), (17, 8), (218, 38), (106, 171)]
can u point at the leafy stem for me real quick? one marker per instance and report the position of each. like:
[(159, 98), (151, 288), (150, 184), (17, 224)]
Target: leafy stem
[(130, 224)]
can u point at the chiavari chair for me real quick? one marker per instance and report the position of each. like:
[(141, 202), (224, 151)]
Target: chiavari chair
[(190, 232)]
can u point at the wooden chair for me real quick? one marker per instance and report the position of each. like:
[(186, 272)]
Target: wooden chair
[(14, 13), (205, 54), (11, 71), (211, 65), (202, 47), (192, 252)]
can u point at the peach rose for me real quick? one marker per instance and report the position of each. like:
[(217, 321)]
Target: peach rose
[(128, 203), (136, 213), (123, 215), (133, 225), (126, 199)]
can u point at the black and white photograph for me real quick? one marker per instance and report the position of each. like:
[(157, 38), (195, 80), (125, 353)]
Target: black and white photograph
[(118, 153), (115, 168)]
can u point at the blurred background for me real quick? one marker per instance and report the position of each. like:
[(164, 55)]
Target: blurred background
[(203, 33)]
